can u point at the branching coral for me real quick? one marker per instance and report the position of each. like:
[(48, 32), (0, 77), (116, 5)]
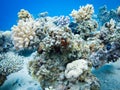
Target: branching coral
[(24, 14), (84, 13), (105, 16), (24, 33), (9, 63)]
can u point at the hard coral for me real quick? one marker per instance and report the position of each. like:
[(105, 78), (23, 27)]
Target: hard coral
[(56, 76), (9, 63), (24, 33), (77, 69), (24, 14), (58, 40), (84, 13), (110, 38), (86, 28)]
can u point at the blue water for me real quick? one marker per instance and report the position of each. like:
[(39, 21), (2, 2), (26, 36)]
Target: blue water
[(10, 8)]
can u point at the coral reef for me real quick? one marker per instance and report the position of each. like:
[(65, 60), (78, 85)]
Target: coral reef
[(58, 44), (9, 63), (84, 13), (66, 50)]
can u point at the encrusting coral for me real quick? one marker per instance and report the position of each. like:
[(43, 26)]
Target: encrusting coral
[(84, 13)]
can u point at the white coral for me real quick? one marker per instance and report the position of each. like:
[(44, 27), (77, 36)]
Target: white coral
[(84, 13), (76, 68), (23, 14), (24, 32)]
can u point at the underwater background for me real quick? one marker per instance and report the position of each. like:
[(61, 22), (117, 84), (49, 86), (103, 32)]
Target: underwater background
[(59, 44), (10, 8)]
